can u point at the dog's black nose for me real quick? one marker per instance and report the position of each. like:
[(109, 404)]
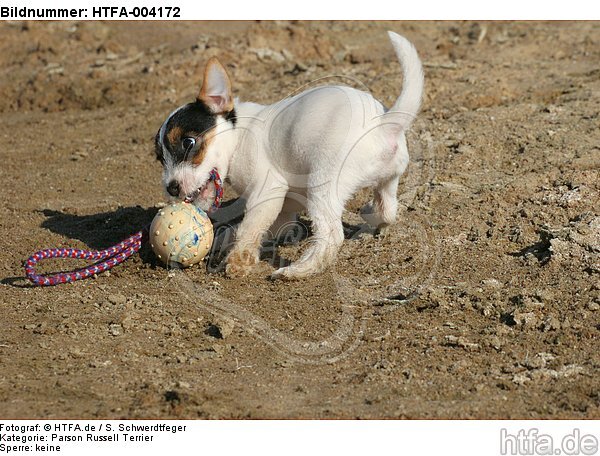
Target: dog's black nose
[(173, 188)]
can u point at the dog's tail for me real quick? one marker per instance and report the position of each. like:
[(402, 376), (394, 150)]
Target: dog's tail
[(408, 103)]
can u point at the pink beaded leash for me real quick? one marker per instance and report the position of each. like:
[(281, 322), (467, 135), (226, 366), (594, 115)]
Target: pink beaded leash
[(106, 259)]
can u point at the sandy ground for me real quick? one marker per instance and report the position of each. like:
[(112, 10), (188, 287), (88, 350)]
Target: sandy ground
[(481, 302)]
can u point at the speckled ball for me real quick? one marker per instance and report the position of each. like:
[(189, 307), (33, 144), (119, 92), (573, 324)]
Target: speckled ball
[(181, 234)]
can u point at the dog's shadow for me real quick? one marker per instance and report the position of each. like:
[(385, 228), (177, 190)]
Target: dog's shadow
[(102, 230), (105, 229), (297, 232), (99, 231)]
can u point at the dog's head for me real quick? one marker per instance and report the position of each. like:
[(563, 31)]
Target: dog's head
[(190, 143)]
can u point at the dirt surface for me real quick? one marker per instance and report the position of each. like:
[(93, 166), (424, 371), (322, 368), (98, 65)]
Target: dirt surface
[(483, 301)]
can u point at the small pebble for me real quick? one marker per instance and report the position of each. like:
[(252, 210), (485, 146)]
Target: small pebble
[(115, 329), (116, 299), (593, 306), (492, 283), (221, 328), (520, 379)]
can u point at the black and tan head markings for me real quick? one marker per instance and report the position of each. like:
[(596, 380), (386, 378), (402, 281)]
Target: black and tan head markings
[(186, 134), (193, 121)]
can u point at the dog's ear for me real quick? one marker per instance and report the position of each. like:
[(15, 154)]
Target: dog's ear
[(216, 88)]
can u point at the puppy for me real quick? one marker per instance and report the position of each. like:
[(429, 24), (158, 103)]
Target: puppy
[(311, 151)]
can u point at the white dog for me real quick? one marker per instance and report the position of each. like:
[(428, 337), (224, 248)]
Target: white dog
[(312, 151)]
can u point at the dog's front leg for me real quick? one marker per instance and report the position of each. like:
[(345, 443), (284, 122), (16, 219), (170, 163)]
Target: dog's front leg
[(261, 211), (326, 214)]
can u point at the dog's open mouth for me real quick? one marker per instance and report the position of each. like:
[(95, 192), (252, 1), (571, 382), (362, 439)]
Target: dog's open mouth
[(202, 196)]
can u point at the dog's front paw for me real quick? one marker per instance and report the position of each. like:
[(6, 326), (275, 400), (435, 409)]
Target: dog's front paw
[(381, 232), (240, 263), (291, 273), (233, 270), (281, 273)]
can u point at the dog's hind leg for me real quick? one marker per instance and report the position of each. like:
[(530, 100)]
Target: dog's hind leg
[(381, 211)]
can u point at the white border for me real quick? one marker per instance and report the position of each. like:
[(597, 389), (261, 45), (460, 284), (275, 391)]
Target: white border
[(314, 438), (369, 10)]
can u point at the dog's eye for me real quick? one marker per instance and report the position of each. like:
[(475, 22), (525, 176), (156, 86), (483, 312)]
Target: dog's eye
[(188, 144)]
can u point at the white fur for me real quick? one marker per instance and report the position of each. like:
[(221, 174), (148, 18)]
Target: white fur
[(313, 151)]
